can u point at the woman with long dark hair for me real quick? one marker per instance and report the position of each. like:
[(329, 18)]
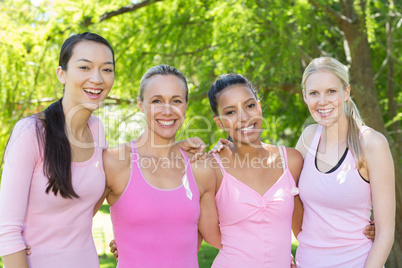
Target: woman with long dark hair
[(53, 170)]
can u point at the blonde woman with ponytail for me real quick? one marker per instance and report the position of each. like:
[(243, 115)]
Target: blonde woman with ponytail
[(347, 174)]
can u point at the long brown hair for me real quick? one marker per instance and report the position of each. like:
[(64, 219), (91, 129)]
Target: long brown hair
[(57, 149)]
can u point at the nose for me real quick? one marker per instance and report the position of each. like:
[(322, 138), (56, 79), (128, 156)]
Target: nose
[(166, 110), (96, 77), (244, 116), (322, 100)]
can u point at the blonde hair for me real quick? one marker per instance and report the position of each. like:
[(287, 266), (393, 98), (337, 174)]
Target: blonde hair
[(161, 69), (355, 121)]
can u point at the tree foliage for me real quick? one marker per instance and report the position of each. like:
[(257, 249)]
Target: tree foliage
[(269, 41)]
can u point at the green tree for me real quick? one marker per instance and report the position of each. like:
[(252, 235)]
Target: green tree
[(269, 41)]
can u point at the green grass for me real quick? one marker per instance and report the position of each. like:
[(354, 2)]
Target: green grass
[(107, 261), (206, 255), (105, 209)]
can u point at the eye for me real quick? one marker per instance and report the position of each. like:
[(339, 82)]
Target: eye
[(177, 101), (109, 70), (251, 105), (229, 112), (84, 67), (331, 91), (313, 93), (156, 101)]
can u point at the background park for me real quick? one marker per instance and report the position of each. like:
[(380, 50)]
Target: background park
[(268, 41)]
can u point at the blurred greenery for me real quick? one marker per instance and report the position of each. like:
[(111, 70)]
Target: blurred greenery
[(105, 208), (206, 255), (268, 41), (107, 261)]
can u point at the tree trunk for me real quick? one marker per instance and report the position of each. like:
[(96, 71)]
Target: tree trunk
[(361, 70), (395, 258)]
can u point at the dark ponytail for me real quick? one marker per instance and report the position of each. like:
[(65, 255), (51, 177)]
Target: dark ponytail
[(57, 153), (57, 149)]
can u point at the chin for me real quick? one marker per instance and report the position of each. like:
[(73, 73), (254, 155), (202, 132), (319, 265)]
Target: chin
[(166, 135), (326, 122), (250, 139), (92, 106)]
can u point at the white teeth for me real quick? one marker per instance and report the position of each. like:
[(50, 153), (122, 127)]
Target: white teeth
[(325, 111), (166, 123), (247, 128), (94, 91)]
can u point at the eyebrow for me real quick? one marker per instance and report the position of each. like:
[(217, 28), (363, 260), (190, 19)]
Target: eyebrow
[(250, 100), (232, 106), (174, 96), (324, 89), (86, 60)]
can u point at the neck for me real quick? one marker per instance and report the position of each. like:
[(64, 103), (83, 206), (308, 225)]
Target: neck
[(76, 118), (336, 134), (254, 149), (155, 145)]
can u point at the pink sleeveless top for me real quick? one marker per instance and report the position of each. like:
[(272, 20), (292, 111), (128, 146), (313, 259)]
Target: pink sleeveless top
[(156, 227), (256, 230), (337, 207)]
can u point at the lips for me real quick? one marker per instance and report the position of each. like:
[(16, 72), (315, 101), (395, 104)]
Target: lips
[(247, 129), (325, 112), (166, 123), (93, 93)]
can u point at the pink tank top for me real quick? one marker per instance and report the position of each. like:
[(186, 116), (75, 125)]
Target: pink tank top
[(256, 230), (337, 207), (156, 227)]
